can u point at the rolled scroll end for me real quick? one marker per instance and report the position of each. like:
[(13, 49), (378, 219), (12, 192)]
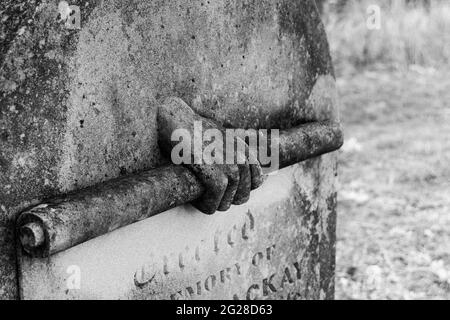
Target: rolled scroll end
[(32, 232), (32, 236)]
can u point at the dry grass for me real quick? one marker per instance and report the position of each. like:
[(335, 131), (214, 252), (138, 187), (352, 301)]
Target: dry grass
[(408, 35), (394, 200)]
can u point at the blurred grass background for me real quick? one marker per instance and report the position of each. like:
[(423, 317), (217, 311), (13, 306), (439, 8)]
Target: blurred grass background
[(394, 193), (412, 33)]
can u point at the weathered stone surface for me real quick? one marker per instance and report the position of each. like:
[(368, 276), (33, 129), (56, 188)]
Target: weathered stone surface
[(277, 246), (77, 107), (64, 222)]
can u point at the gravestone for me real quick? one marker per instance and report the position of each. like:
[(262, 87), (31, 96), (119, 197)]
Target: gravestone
[(274, 247), (78, 108)]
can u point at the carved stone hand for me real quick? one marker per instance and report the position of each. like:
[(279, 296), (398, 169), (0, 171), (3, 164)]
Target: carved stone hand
[(225, 183)]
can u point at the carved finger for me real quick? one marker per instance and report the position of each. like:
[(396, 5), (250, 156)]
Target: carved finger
[(215, 182), (230, 192), (257, 175), (245, 183)]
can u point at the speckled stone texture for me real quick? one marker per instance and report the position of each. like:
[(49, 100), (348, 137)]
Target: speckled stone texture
[(77, 107)]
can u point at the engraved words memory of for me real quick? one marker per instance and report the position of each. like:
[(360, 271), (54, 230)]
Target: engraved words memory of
[(153, 276)]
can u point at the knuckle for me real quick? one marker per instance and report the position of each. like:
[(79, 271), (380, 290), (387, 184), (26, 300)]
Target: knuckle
[(244, 170), (221, 183), (234, 174), (216, 186)]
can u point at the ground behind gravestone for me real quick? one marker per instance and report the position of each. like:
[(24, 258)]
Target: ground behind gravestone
[(394, 193), (394, 200)]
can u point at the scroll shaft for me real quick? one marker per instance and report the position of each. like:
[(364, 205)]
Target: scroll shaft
[(78, 217)]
